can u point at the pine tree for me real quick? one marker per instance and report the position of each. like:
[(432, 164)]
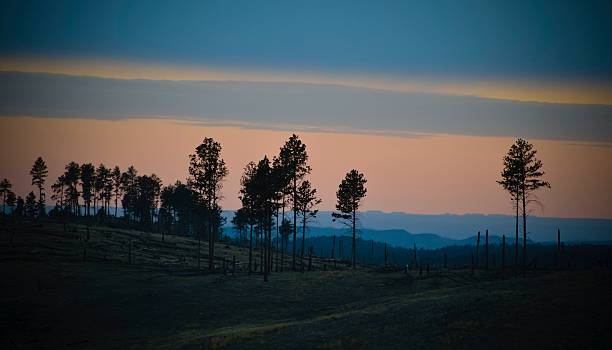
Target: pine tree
[(350, 194), (30, 207), (116, 178), (72, 175), (88, 172), (5, 189), (307, 201), (523, 172), (207, 170), (39, 174), (293, 159)]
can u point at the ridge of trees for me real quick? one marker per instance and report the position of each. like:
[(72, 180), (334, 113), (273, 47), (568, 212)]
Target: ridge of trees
[(268, 189)]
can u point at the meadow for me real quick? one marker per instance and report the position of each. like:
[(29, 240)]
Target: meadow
[(61, 289)]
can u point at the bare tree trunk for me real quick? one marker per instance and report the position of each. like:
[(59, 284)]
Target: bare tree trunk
[(270, 245), (477, 248), (261, 250), (303, 243), (503, 262), (294, 219), (385, 254), (516, 233), (354, 245), (277, 250), (266, 253), (250, 248), (211, 244), (487, 250), (524, 233)]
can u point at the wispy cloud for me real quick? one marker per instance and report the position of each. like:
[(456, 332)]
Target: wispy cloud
[(571, 91), (299, 105)]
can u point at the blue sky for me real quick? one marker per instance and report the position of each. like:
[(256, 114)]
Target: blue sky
[(459, 79), (551, 40), (458, 67)]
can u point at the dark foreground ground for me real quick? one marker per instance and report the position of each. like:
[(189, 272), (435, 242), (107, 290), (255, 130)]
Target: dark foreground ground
[(50, 298)]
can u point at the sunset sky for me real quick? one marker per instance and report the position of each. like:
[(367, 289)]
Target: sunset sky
[(424, 98)]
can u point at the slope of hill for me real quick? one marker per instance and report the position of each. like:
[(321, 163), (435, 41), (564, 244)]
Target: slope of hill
[(52, 297)]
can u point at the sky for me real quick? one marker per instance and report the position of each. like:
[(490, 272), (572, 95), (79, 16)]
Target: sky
[(424, 97)]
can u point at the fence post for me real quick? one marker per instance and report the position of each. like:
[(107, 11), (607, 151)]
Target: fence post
[(487, 249), (414, 258), (503, 262), (477, 248), (385, 254)]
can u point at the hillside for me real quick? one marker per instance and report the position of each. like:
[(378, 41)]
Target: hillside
[(52, 298)]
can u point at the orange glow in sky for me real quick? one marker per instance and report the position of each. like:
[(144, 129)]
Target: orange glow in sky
[(421, 174)]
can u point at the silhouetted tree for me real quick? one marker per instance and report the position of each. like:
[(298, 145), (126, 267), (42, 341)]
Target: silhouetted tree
[(148, 190), (104, 186), (129, 190), (240, 222), (5, 189), (167, 210), (510, 182), (247, 198), (88, 172), (58, 192), (20, 208), (307, 201), (72, 176), (350, 193), (293, 159), (31, 207), (526, 171), (285, 232), (265, 196), (207, 171), (39, 174), (116, 179), (183, 201), (10, 200)]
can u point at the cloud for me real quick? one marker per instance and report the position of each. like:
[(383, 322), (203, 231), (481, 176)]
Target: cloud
[(523, 38), (305, 105)]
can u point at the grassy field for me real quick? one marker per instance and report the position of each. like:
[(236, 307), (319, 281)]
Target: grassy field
[(52, 298)]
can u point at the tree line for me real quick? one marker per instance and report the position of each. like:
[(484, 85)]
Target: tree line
[(270, 189)]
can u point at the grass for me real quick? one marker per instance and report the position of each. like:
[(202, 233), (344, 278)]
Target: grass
[(51, 298)]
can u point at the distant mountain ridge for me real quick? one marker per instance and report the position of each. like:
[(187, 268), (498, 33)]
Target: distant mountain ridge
[(436, 231), (402, 238), (455, 228)]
